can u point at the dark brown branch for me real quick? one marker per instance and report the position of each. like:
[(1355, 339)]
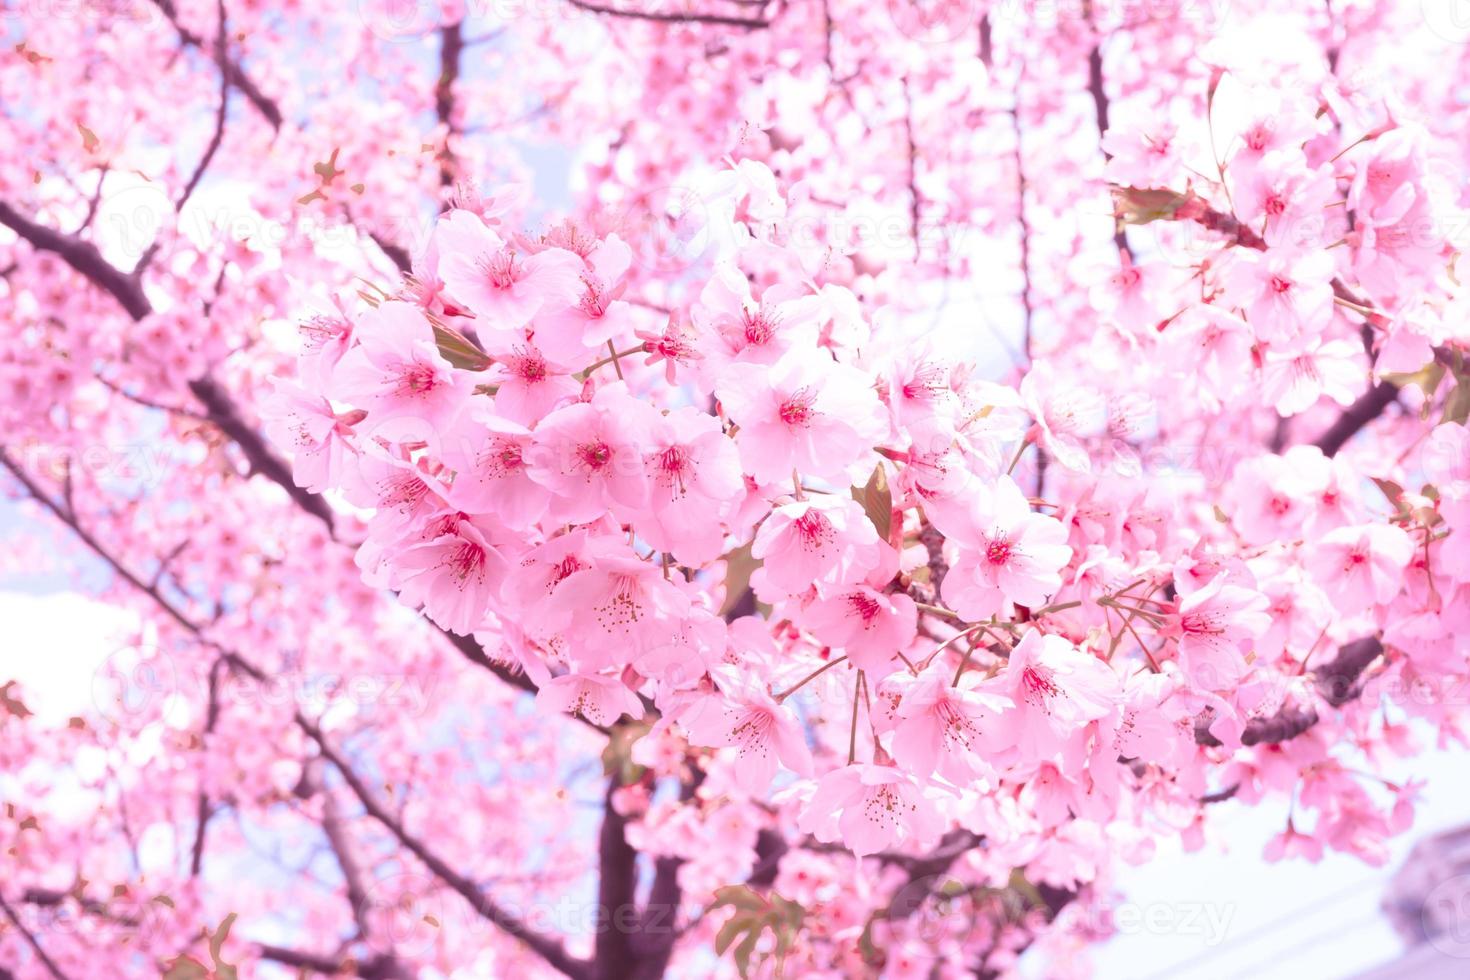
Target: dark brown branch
[(1371, 404), (234, 74), (396, 254), (335, 830), (221, 57), (31, 941), (380, 967), (223, 413), (1100, 106), (1336, 682), (1286, 724), (722, 20), (83, 257), (203, 811), (451, 46), (549, 949), (617, 888), (1221, 795)]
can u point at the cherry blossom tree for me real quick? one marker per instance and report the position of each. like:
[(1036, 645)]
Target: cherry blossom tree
[(717, 487)]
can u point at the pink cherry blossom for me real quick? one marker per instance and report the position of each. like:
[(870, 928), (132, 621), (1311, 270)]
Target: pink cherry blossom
[(823, 539), (1007, 554), (944, 727), (1056, 689), (1214, 622), (805, 413), (872, 628), (763, 732), (396, 372), (1361, 565), (872, 807), (499, 282), (589, 455)]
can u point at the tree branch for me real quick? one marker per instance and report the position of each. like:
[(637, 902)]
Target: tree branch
[(82, 256), (1371, 404), (1336, 682), (451, 46), (617, 889), (549, 949), (234, 74), (31, 940), (672, 18), (214, 142)]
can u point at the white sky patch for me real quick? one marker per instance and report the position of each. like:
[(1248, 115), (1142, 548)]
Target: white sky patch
[(1227, 913), (54, 646)]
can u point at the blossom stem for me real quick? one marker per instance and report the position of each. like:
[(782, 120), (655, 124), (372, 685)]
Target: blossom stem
[(939, 611), (1128, 625), (940, 649), (809, 677), (1057, 607), (852, 735), (868, 704), (1355, 307), (964, 663), (610, 359), (1016, 458), (1150, 615)]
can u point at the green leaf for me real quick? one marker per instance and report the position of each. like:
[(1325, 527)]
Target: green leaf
[(1141, 206), (186, 968), (877, 501), (739, 564), (617, 757), (1427, 378), (745, 950), (739, 922), (1022, 886), (1392, 492), (740, 897), (1457, 406), (11, 703), (754, 914), (459, 351)]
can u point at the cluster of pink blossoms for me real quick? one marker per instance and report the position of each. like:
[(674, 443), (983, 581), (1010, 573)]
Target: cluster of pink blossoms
[(789, 527)]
